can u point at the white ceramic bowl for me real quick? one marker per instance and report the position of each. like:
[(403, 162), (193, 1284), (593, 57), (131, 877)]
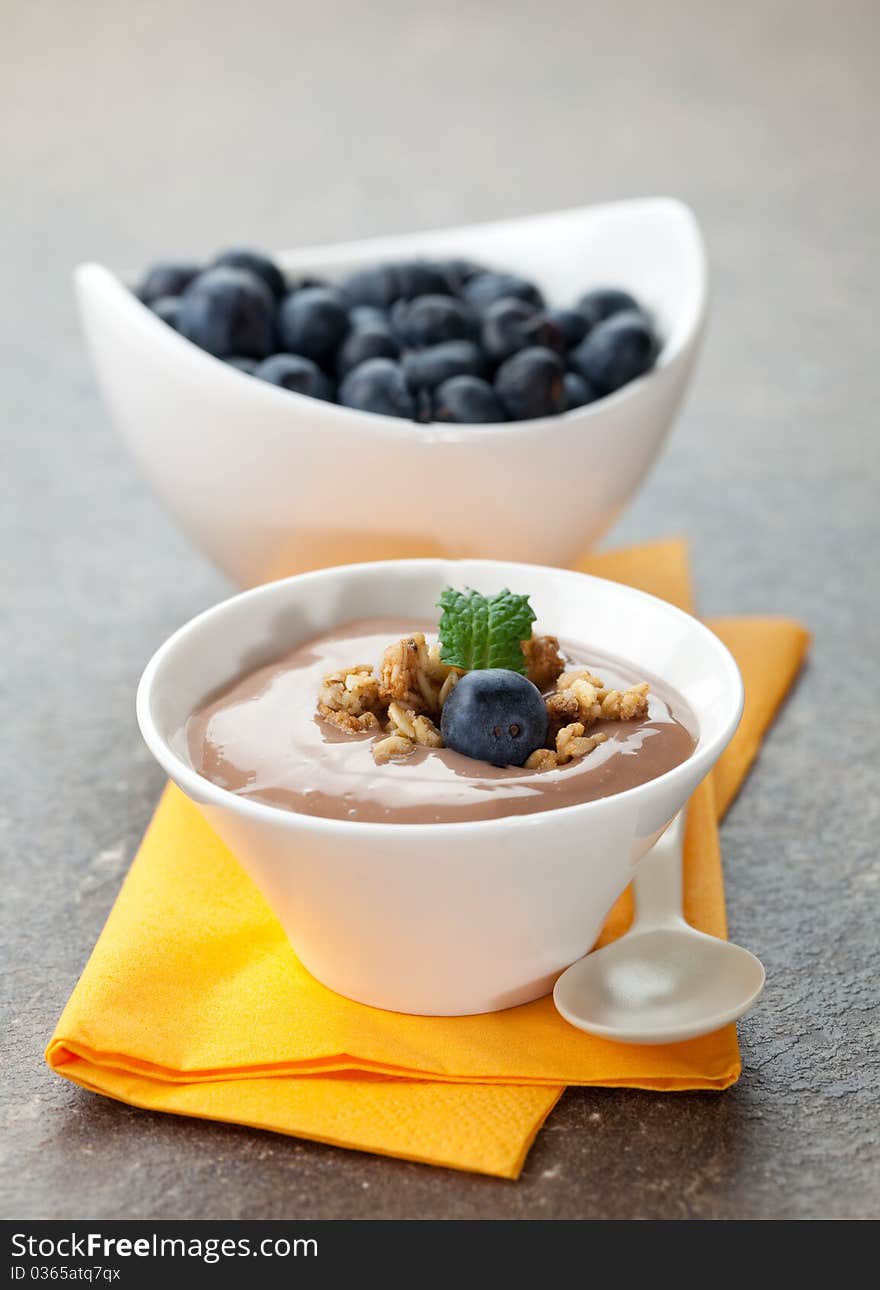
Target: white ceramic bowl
[(440, 918), (270, 483)]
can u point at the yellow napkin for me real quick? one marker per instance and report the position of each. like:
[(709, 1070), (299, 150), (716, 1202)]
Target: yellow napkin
[(193, 1002)]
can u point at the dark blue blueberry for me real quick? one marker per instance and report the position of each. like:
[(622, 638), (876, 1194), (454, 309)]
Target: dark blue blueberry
[(241, 257), (494, 716), (604, 302), (423, 402), (531, 384), (505, 327), (168, 278), (312, 322), (294, 372), (375, 287), (486, 287), (467, 400), (427, 368), (229, 311), (167, 308), (544, 331), (458, 273), (248, 365), (307, 280), (365, 342), (382, 285), (418, 278), (578, 392), (377, 386), (368, 316), (571, 323), (510, 325), (615, 352), (429, 320)]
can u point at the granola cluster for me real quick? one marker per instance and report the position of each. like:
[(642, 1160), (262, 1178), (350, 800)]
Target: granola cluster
[(578, 702), (402, 700), (406, 698), (350, 699)]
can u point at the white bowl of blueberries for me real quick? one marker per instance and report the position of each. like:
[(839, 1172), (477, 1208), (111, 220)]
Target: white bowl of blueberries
[(496, 391)]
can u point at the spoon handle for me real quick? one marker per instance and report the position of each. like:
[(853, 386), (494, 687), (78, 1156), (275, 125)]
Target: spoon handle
[(657, 886)]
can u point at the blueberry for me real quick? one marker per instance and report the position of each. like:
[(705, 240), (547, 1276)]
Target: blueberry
[(615, 351), (578, 392), (307, 280), (545, 332), (368, 316), (382, 285), (248, 365), (377, 386), (312, 322), (293, 372), (531, 384), (229, 311), (571, 323), (467, 400), (423, 403), (419, 278), (604, 302), (458, 273), (167, 308), (510, 325), (504, 329), (240, 257), (486, 287), (168, 278), (375, 287), (429, 320), (494, 716), (428, 368), (373, 341)]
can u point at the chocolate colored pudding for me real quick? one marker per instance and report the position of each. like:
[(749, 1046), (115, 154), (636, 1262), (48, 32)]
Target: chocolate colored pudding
[(260, 738)]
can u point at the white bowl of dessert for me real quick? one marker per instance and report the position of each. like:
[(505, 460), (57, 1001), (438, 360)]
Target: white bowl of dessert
[(269, 482), (407, 875)]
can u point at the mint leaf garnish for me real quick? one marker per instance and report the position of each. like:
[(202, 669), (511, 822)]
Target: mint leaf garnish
[(479, 631)]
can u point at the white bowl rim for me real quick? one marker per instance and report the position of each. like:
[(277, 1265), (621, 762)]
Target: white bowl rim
[(205, 790), (439, 431)]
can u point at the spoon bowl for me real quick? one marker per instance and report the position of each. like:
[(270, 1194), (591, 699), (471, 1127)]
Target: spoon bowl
[(663, 982), (659, 986)]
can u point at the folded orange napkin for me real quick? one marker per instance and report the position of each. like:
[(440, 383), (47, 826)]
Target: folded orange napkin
[(193, 1001)]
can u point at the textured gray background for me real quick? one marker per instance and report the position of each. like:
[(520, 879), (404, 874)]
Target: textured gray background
[(133, 131)]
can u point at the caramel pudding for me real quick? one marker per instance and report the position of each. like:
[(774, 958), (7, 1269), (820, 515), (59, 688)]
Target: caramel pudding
[(262, 739)]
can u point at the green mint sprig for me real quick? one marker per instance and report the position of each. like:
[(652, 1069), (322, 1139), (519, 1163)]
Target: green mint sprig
[(479, 631)]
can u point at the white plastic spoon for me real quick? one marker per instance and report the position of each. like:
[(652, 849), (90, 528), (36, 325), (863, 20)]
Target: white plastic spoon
[(663, 981)]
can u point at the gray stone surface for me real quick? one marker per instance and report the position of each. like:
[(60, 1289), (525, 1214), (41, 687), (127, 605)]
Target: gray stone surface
[(133, 131)]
